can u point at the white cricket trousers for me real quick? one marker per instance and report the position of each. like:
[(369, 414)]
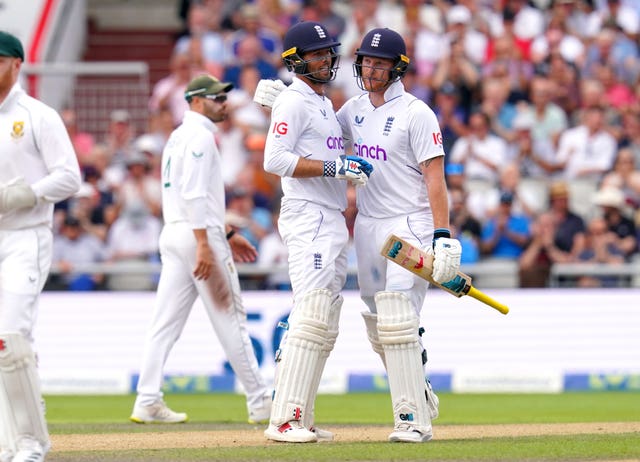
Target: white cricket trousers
[(375, 272), (25, 260), (177, 291), (316, 238)]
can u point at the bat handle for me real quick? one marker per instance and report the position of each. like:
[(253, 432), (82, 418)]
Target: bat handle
[(484, 298)]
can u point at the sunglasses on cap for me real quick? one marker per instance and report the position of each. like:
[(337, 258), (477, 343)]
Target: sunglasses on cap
[(217, 98)]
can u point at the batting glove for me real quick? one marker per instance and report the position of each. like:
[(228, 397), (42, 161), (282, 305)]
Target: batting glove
[(351, 168), (267, 91), (446, 253), (16, 195)]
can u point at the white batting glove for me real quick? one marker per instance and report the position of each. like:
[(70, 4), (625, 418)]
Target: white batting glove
[(447, 253), (267, 91), (16, 195), (351, 168)]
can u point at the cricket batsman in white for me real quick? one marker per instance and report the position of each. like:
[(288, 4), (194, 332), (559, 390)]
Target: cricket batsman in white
[(197, 251), (38, 167), (400, 135), (305, 148), (407, 196)]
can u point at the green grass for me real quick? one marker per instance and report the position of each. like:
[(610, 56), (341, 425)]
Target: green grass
[(109, 414)]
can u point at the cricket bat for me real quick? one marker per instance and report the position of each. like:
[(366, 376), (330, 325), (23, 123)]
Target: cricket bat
[(420, 263)]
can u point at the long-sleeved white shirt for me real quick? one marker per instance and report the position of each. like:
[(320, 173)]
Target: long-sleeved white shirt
[(192, 184), (303, 124), (35, 146)]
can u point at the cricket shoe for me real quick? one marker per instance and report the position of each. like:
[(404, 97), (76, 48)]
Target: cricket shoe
[(29, 450), (322, 435), (407, 434), (157, 412), (260, 415), (290, 432)]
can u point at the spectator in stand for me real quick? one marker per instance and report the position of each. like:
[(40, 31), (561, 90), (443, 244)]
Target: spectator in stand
[(624, 236), (267, 185), (625, 176), (168, 92), (119, 138), (325, 15), (630, 133), (591, 93), (615, 50), (247, 115), (456, 67), (557, 41), (133, 238), (551, 120), (451, 116), (140, 188), (249, 53), (75, 247), (210, 46), (464, 226), (601, 247), (269, 43), (569, 235), (495, 103), (83, 142), (252, 222), (506, 234), (273, 254), (460, 30), (506, 64), (528, 22), (230, 139), (86, 207), (587, 151), (481, 152), (535, 262), (564, 77), (536, 157), (617, 93)]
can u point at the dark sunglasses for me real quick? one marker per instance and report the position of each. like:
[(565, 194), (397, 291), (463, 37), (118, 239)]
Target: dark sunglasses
[(217, 98)]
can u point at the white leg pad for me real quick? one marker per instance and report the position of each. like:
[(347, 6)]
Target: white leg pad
[(330, 341), (301, 354), (398, 333), (21, 410), (371, 322)]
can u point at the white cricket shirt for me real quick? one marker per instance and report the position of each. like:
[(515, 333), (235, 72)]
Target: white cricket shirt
[(395, 138), (303, 124), (34, 145), (192, 185)]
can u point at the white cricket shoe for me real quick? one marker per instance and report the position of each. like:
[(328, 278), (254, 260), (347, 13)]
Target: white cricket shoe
[(26, 455), (260, 415), (407, 434), (322, 435), (290, 432), (157, 412)]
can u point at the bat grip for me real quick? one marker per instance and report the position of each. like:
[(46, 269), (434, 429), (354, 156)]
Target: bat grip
[(484, 298)]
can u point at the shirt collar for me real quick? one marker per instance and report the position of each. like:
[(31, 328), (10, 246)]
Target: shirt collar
[(192, 116), (395, 89), (301, 86), (13, 93)]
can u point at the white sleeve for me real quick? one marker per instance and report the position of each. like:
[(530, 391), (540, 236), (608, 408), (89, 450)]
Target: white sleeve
[(63, 178), (424, 132), (196, 168), (288, 120)]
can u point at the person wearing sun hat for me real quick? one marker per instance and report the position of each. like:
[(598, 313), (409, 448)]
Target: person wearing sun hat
[(38, 168), (198, 250)]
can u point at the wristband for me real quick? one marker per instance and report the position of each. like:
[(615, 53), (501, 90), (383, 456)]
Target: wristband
[(441, 232), (329, 168), (230, 234)]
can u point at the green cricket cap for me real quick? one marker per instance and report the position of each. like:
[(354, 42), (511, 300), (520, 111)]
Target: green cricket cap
[(10, 46), (204, 85)]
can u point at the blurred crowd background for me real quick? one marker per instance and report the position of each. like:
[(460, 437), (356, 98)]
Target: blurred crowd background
[(538, 102)]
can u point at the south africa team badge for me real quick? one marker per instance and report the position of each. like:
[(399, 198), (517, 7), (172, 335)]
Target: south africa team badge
[(18, 130)]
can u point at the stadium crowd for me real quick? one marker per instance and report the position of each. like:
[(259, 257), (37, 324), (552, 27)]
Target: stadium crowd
[(538, 101)]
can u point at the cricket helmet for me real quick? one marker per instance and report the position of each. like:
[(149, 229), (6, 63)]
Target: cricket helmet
[(302, 38), (383, 43)]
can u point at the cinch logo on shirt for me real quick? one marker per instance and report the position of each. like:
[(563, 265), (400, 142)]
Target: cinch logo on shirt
[(371, 152), (335, 142), (280, 128)]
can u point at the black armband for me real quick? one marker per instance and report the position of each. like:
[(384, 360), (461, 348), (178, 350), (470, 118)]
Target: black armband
[(230, 234)]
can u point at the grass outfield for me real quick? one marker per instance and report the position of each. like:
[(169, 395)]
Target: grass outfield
[(516, 427)]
